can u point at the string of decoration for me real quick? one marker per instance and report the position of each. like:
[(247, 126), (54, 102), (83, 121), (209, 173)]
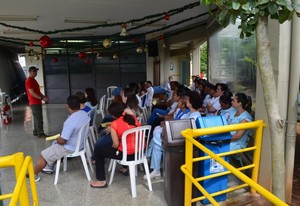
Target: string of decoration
[(170, 12)]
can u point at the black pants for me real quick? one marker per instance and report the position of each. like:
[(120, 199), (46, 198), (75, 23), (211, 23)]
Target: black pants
[(102, 152)]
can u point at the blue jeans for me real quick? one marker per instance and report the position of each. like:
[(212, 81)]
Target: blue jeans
[(155, 150), (154, 115)]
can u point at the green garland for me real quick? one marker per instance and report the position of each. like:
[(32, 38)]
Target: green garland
[(170, 13)]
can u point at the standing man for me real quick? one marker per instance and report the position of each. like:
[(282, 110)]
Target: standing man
[(35, 98)]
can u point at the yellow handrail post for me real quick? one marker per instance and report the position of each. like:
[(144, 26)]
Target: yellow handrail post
[(257, 152), (19, 160), (189, 168)]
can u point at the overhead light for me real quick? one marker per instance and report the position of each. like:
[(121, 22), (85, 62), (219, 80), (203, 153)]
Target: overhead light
[(158, 25), (84, 21), (18, 18)]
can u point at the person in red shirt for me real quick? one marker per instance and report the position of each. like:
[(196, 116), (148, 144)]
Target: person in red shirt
[(35, 98), (122, 123)]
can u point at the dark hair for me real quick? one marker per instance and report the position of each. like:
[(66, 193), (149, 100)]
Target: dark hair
[(134, 86), (81, 97), (226, 99), (242, 97), (223, 86), (132, 101), (195, 100), (149, 82), (91, 96), (116, 109), (73, 102), (180, 91)]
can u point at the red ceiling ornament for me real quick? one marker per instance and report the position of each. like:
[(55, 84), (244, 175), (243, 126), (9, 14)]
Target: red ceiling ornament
[(31, 44), (161, 37), (167, 17), (92, 51), (86, 61), (134, 39), (54, 59), (45, 41), (81, 55)]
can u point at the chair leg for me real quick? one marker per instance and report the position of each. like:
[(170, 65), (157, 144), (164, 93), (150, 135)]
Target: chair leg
[(147, 174), (110, 165), (89, 157), (113, 169), (86, 169), (65, 163), (132, 180), (57, 171)]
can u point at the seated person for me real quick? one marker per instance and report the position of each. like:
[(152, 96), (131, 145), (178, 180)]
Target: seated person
[(149, 94), (91, 100), (226, 107), (193, 102), (159, 113), (239, 138), (155, 150), (66, 143), (122, 123), (82, 99)]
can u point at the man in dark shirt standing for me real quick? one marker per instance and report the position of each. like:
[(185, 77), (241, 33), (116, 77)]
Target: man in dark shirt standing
[(35, 98)]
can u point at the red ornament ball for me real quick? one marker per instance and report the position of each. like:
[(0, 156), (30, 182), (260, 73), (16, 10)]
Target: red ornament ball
[(161, 37), (134, 40), (31, 44), (92, 51), (81, 55), (167, 17), (45, 41), (86, 61), (54, 59)]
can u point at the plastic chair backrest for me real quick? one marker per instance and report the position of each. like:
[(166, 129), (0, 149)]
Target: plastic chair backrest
[(82, 136), (141, 138), (213, 121), (109, 91), (101, 109)]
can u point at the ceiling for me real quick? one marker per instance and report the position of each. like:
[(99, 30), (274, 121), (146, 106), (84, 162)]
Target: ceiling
[(51, 16)]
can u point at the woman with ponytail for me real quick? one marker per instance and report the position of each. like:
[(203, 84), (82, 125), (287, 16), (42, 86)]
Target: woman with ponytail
[(122, 123)]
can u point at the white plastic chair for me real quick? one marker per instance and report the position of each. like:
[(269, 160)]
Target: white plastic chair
[(141, 142), (80, 150), (102, 109), (110, 98)]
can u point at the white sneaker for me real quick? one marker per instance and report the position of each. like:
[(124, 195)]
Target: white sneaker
[(48, 170), (153, 175), (37, 178)]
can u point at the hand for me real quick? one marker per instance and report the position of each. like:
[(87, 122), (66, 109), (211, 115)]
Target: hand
[(45, 98)]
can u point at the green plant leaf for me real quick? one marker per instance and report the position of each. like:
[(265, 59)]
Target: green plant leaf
[(222, 15), (272, 8), (284, 15), (246, 6), (281, 2), (263, 2), (235, 5), (232, 18)]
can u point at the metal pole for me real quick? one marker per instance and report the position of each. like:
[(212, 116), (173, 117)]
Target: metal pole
[(292, 105)]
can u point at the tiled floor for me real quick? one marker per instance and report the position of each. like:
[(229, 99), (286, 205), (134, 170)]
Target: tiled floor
[(73, 188)]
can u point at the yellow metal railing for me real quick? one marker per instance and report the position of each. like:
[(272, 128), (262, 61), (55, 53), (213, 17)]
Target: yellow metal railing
[(187, 168), (20, 193)]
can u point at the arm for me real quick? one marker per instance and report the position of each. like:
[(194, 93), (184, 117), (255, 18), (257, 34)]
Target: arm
[(115, 138), (239, 133), (42, 97), (210, 108), (61, 141)]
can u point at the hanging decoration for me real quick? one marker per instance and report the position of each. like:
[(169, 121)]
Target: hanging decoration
[(31, 53), (145, 48), (45, 41), (139, 50), (36, 57), (115, 56), (81, 55), (124, 30), (134, 39), (30, 44), (161, 37), (92, 51), (54, 59), (107, 43), (167, 17), (86, 61)]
